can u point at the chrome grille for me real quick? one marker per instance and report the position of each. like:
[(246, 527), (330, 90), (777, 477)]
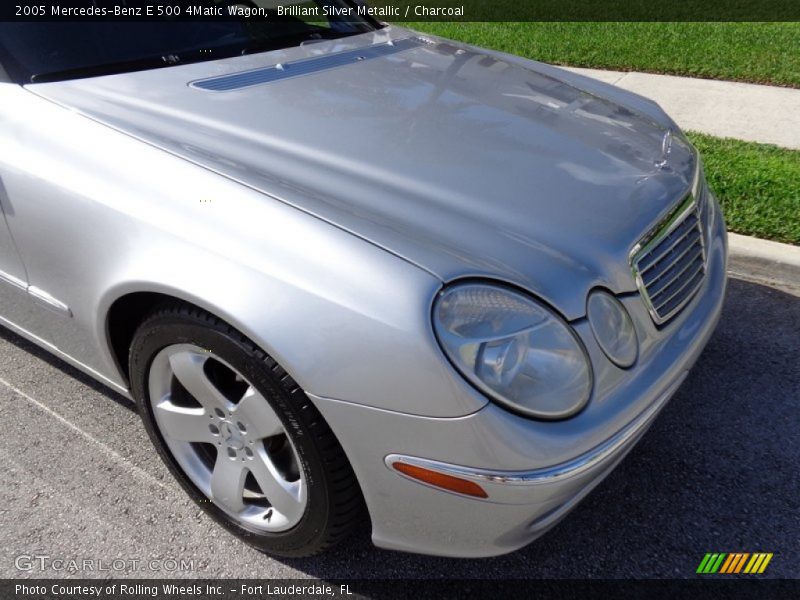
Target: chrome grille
[(670, 263)]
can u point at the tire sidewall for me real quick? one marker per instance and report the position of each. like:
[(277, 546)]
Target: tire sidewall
[(161, 332)]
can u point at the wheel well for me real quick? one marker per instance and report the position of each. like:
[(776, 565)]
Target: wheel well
[(124, 318)]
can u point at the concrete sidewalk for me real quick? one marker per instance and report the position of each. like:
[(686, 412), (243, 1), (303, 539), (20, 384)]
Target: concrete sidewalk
[(745, 111)]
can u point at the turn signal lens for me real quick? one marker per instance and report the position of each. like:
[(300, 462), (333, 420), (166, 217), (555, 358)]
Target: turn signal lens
[(440, 480)]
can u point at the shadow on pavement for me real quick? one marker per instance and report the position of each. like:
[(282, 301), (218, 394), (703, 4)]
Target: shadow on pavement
[(20, 342)]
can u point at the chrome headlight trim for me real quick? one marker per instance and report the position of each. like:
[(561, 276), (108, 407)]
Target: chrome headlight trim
[(513, 348), (706, 204)]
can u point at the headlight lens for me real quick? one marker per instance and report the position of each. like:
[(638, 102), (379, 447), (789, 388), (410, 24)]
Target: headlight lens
[(514, 349), (613, 328)]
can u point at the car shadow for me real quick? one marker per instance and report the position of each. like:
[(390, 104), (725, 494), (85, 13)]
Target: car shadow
[(52, 360)]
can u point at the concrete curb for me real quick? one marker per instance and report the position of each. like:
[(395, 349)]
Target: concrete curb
[(764, 261)]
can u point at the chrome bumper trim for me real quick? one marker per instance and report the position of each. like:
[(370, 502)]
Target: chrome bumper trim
[(548, 475)]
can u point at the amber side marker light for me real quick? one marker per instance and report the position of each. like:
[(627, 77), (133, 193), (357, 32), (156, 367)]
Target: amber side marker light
[(440, 480)]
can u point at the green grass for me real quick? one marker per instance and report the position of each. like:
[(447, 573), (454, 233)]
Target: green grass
[(755, 52), (758, 186)]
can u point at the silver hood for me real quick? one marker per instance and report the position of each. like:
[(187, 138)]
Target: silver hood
[(462, 161)]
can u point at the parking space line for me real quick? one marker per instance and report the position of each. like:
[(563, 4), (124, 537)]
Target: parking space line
[(115, 456)]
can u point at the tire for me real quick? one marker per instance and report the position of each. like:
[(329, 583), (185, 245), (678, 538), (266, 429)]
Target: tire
[(282, 485)]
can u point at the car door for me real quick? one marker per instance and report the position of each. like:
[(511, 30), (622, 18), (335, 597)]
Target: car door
[(13, 279), (24, 305), (14, 299), (50, 227)]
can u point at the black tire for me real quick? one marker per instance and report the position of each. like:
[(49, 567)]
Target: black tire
[(335, 505)]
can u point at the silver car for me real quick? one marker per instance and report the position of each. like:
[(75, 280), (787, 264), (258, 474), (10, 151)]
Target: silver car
[(351, 273)]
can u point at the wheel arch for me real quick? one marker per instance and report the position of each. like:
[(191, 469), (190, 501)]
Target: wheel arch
[(122, 320), (169, 311), (345, 324), (132, 306)]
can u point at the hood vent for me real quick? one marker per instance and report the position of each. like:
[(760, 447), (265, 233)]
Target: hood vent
[(306, 66)]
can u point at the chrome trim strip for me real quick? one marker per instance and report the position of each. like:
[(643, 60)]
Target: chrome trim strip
[(548, 475), (39, 296), (306, 66), (13, 281), (46, 300)]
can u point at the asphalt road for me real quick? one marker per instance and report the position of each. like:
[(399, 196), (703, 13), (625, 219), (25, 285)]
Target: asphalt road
[(719, 471)]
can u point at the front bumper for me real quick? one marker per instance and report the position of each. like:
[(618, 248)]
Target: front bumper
[(533, 471)]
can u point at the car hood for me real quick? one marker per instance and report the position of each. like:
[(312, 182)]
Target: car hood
[(464, 162)]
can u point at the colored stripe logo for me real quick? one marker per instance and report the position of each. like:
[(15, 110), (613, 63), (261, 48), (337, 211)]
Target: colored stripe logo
[(733, 563)]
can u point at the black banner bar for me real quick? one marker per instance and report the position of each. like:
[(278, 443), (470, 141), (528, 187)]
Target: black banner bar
[(731, 588), (416, 10)]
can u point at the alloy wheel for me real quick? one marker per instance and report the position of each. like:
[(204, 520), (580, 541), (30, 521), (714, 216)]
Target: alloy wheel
[(227, 438)]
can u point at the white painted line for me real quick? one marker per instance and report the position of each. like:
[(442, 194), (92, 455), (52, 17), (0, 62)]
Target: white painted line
[(111, 453)]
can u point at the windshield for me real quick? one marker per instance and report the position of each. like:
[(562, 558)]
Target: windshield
[(52, 51)]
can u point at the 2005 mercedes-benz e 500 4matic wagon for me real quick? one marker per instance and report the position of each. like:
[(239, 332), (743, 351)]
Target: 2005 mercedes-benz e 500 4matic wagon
[(349, 272)]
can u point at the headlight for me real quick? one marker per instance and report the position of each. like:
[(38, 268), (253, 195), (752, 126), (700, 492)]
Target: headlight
[(514, 349), (612, 328)]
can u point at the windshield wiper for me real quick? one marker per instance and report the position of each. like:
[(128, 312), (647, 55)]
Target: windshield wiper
[(139, 64)]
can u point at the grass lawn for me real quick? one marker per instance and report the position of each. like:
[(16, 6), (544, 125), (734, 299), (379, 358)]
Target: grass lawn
[(758, 186), (754, 52)]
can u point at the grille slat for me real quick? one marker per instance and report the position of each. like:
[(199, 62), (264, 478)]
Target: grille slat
[(677, 302), (676, 271), (670, 264), (687, 245), (674, 238), (678, 286)]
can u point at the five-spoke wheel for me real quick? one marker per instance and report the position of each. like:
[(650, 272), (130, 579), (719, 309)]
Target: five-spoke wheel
[(240, 435), (228, 439)]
